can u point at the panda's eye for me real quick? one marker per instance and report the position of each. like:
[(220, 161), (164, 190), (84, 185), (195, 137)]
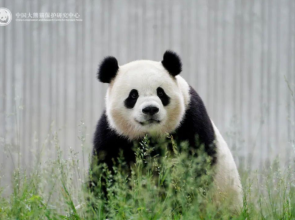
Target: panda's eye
[(163, 96), (130, 101), (134, 94), (160, 93)]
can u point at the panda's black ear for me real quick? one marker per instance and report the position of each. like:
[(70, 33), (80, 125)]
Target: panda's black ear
[(107, 69), (172, 63)]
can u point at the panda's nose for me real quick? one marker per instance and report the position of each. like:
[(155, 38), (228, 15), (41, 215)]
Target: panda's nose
[(150, 110)]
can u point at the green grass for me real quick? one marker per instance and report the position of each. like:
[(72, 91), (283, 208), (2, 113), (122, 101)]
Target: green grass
[(158, 188)]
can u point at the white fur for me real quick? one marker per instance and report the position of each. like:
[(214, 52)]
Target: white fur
[(227, 180), (184, 88)]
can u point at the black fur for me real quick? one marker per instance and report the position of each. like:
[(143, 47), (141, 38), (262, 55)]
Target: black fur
[(107, 144), (108, 69), (197, 127), (196, 124), (131, 99), (163, 96), (172, 63)]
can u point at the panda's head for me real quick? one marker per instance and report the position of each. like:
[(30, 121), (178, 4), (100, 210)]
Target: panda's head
[(144, 97)]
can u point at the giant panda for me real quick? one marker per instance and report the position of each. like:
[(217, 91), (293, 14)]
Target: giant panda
[(150, 97)]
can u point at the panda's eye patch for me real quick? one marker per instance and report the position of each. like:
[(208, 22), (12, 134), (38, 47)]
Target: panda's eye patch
[(131, 99), (163, 96)]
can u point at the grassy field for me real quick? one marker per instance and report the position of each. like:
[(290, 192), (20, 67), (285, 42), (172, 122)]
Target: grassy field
[(165, 188)]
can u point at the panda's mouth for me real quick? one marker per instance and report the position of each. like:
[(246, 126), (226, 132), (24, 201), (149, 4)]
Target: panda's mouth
[(148, 122)]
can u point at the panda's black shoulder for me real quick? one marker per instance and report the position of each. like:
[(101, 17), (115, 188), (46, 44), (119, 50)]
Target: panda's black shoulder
[(196, 124), (108, 143)]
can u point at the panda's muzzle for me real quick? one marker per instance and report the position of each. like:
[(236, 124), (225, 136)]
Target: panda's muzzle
[(150, 115)]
